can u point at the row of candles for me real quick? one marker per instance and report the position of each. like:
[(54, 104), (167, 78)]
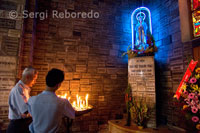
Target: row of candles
[(79, 104)]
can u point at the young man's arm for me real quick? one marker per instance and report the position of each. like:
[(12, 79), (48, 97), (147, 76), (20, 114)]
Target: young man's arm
[(68, 109)]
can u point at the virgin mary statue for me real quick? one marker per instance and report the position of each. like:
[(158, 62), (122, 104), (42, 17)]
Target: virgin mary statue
[(141, 31)]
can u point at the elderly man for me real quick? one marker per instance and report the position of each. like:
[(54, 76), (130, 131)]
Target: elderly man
[(18, 98)]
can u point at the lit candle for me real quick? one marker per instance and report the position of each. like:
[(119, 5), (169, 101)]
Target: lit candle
[(64, 96), (69, 98), (81, 105), (74, 103), (86, 100), (77, 99)]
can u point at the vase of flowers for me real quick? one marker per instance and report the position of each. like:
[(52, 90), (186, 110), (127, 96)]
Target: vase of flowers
[(140, 112), (190, 99)]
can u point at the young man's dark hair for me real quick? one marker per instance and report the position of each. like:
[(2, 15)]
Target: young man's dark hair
[(54, 77)]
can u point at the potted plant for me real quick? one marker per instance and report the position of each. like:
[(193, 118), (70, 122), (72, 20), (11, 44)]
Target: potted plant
[(140, 113)]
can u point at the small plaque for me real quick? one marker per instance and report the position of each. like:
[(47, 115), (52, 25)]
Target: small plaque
[(8, 5), (14, 33), (7, 63), (7, 23), (7, 80)]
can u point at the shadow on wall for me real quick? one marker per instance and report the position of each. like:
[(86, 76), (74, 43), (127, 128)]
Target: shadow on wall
[(161, 98)]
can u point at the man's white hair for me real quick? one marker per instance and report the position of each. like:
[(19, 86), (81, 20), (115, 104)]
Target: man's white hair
[(29, 71)]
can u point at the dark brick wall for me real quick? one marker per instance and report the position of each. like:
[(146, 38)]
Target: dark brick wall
[(171, 58)]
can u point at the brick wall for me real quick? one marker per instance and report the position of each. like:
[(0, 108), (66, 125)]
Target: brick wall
[(10, 32)]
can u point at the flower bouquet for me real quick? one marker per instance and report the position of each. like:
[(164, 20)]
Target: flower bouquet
[(190, 98), (151, 48), (140, 112)]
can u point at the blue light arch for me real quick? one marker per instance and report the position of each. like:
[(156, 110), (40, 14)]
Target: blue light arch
[(140, 9)]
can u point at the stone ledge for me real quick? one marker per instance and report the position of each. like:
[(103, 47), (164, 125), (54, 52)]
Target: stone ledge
[(118, 126)]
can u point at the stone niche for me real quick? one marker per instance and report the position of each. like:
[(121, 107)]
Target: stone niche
[(141, 77)]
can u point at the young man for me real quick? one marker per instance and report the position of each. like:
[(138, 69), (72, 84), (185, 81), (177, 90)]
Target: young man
[(18, 98), (46, 108)]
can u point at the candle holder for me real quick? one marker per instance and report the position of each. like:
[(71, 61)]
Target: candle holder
[(80, 105), (84, 110)]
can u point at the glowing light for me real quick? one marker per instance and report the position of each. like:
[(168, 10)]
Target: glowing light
[(80, 104), (141, 73), (63, 96), (86, 99), (132, 21)]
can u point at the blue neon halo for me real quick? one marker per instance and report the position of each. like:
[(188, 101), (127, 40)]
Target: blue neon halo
[(132, 21)]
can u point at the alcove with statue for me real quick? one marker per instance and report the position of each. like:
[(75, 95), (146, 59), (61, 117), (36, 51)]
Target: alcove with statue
[(141, 92)]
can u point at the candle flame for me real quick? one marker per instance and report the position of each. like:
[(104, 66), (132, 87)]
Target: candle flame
[(74, 103), (86, 100), (79, 103), (69, 98), (86, 97), (63, 96)]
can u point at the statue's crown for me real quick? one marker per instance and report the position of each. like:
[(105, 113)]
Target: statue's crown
[(141, 15)]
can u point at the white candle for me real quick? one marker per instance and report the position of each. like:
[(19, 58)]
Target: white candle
[(86, 100), (69, 98), (74, 103), (83, 103), (77, 99)]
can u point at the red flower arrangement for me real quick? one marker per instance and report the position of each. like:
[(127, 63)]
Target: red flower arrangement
[(190, 99)]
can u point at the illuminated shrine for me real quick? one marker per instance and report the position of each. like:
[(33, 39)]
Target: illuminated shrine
[(141, 25)]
